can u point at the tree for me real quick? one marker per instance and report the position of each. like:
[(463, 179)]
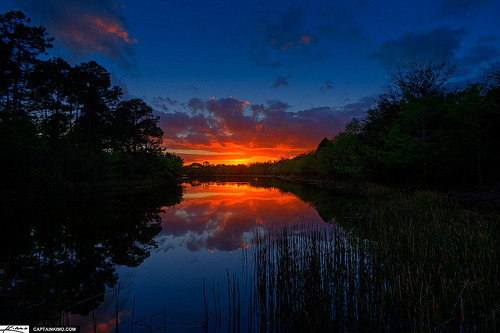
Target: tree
[(20, 45), (93, 97), (399, 133), (420, 78), (61, 123), (469, 137), (325, 158), (133, 127), (50, 86)]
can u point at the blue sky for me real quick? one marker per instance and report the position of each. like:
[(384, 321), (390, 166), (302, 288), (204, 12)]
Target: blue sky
[(311, 64)]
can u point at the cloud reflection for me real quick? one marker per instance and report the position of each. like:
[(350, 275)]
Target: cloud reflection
[(223, 216)]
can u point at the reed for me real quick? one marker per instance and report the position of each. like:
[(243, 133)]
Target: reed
[(414, 262)]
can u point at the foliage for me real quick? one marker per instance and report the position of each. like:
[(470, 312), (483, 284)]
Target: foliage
[(62, 123), (409, 263), (20, 44)]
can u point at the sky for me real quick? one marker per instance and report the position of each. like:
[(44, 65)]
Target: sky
[(248, 81)]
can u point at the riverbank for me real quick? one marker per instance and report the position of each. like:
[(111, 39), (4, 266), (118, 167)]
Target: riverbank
[(33, 195), (485, 200)]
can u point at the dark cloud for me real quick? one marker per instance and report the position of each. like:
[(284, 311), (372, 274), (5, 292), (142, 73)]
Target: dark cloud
[(281, 81), (303, 31), (475, 57), (359, 107), (277, 105), (288, 32), (328, 85), (440, 42), (285, 30), (444, 43), (196, 104), (282, 35), (460, 8), (230, 118), (86, 28), (163, 103), (478, 55)]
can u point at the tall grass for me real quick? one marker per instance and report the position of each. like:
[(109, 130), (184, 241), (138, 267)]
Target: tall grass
[(309, 279), (413, 262)]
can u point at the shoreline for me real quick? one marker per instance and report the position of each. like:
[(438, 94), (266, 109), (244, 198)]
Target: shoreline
[(484, 201)]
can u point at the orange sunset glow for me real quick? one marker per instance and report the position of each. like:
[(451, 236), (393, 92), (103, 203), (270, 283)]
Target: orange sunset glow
[(233, 131), (235, 155), (113, 28), (218, 216)]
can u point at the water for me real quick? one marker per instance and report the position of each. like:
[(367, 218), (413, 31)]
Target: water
[(254, 255), (146, 258)]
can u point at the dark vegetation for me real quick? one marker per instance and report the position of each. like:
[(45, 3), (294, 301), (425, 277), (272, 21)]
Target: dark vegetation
[(392, 261), (420, 133), (63, 124), (409, 261), (59, 252)]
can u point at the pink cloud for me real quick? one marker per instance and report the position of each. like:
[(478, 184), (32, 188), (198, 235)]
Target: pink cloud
[(229, 129)]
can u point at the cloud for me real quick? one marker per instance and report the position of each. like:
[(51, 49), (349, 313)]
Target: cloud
[(228, 129), (305, 39), (86, 28), (196, 104), (476, 56), (163, 104), (460, 8), (280, 34), (285, 30), (359, 107), (328, 85), (438, 42), (286, 34), (442, 42), (280, 81)]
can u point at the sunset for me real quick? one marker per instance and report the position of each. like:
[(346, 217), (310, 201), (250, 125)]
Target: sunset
[(249, 166), (297, 72)]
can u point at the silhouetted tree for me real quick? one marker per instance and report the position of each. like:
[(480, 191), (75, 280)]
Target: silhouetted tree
[(63, 123), (134, 128), (94, 97), (420, 78), (20, 45)]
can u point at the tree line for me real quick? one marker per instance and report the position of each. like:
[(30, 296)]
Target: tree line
[(422, 131), (63, 123)]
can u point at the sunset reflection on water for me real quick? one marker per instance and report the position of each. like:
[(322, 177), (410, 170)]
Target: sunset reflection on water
[(222, 216), (206, 237)]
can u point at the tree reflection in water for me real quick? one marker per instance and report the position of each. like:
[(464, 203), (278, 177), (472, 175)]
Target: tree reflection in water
[(60, 254)]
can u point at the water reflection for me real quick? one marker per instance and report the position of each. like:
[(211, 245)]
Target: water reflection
[(59, 254), (221, 216), (67, 256), (209, 237)]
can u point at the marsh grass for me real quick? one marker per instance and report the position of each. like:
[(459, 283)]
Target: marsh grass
[(410, 262), (308, 279)]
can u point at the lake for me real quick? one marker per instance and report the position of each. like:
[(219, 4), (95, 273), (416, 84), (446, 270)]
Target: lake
[(205, 239), (149, 253), (247, 255)]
